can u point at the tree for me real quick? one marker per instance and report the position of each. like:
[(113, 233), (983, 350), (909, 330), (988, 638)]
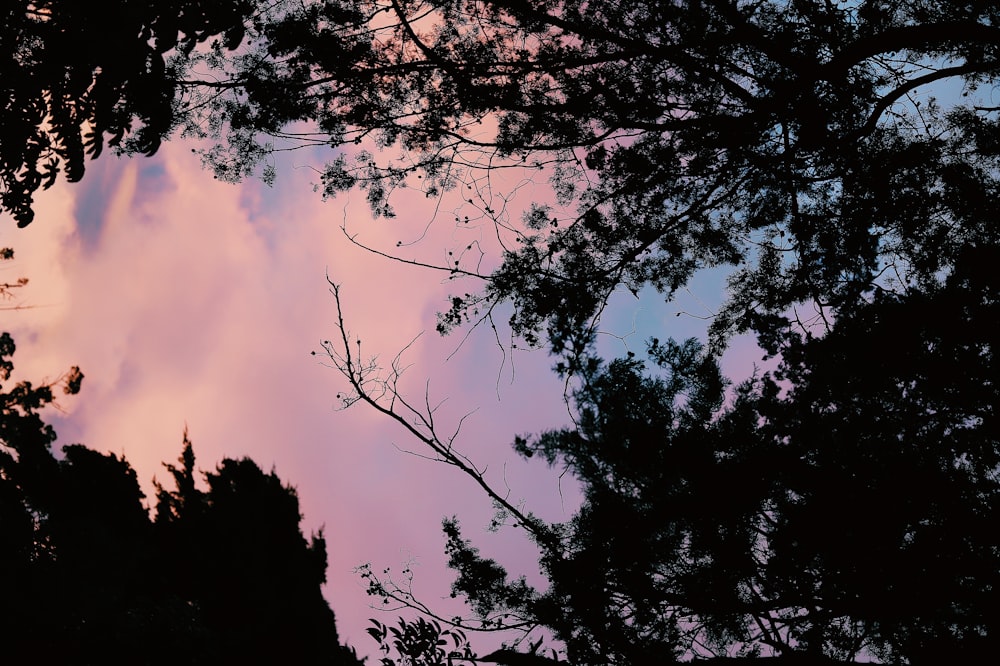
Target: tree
[(221, 576), (239, 556), (842, 508), (892, 425), (73, 80), (784, 140), (792, 141)]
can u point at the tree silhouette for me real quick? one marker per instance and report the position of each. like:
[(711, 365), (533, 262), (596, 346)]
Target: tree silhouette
[(795, 143), (792, 142), (245, 564), (892, 431), (222, 576), (841, 508), (75, 79), (844, 508)]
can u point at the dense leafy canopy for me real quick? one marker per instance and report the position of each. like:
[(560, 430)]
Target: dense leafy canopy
[(846, 507), (74, 79), (795, 142), (792, 141), (222, 576)]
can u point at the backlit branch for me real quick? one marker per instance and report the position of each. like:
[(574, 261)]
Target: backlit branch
[(379, 388)]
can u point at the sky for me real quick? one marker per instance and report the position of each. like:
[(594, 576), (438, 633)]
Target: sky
[(192, 303)]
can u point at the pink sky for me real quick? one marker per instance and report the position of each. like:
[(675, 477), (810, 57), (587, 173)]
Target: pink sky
[(189, 302)]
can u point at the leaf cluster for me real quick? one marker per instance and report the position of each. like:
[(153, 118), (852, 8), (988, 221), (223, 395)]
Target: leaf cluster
[(419, 643), (76, 80)]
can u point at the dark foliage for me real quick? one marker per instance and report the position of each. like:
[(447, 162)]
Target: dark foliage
[(845, 507), (74, 79), (222, 576), (794, 142), (419, 643)]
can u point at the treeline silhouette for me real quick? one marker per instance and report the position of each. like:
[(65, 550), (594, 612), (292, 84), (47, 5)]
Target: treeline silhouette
[(222, 575)]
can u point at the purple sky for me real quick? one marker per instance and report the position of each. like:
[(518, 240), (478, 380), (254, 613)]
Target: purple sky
[(189, 302)]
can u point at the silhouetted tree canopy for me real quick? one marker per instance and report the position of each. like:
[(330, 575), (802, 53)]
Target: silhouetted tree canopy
[(841, 508), (794, 142), (846, 507), (76, 77), (221, 576)]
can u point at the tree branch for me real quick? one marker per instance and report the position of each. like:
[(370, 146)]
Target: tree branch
[(369, 387)]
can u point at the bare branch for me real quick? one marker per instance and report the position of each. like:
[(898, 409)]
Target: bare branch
[(370, 386)]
